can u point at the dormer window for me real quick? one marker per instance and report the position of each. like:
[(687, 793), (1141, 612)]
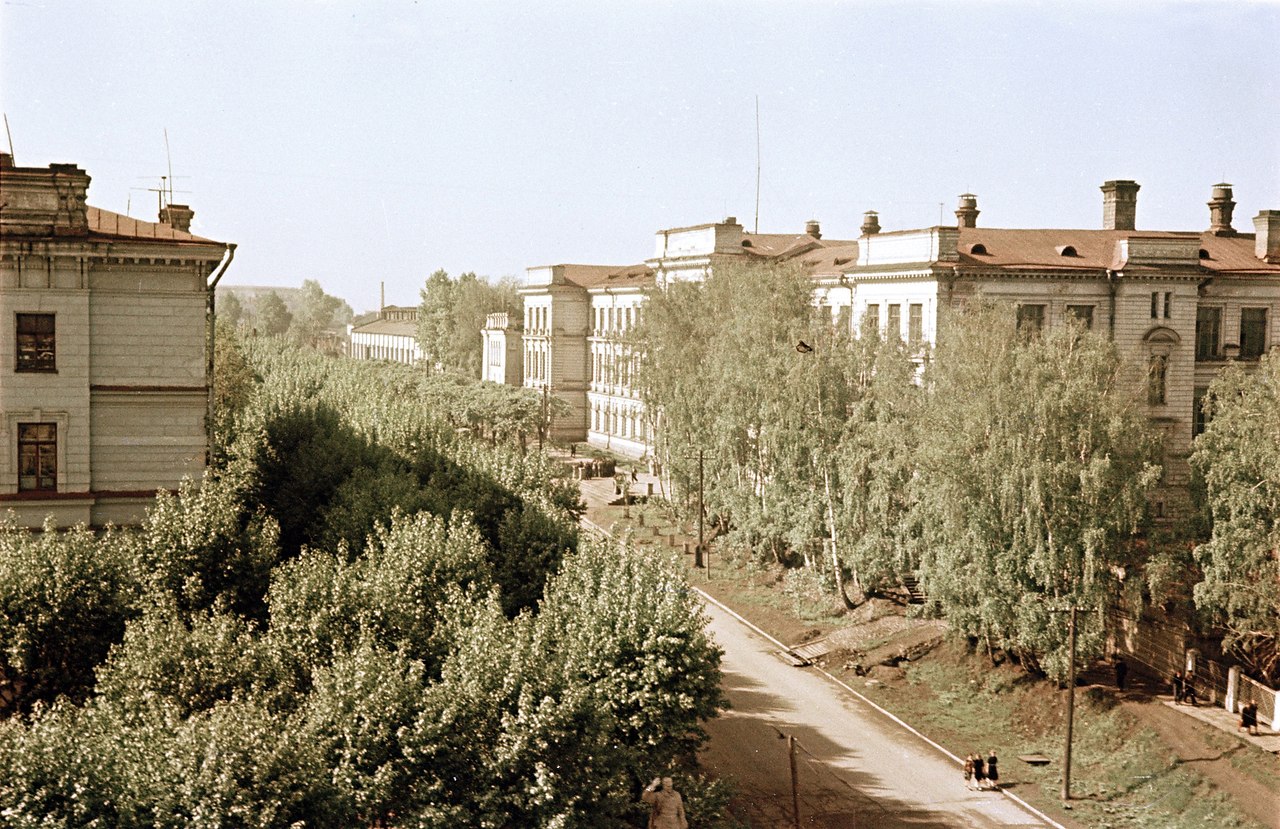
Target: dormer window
[(1204, 254), (746, 243), (978, 249), (1067, 250)]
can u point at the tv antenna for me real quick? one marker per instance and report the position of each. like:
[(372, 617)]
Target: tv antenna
[(9, 135), (757, 225)]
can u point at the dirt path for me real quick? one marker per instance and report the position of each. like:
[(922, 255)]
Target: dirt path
[(1190, 740)]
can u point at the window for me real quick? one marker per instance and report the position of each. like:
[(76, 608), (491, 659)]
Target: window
[(915, 323), (1168, 303), (1208, 333), (842, 318), (1030, 320), (894, 326), (1156, 375), (1199, 419), (1253, 333), (1161, 301), (1082, 314), (35, 343), (871, 318), (37, 457)]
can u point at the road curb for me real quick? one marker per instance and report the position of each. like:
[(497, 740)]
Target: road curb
[(890, 715)]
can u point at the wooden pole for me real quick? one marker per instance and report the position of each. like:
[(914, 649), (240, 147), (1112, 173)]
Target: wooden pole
[(1071, 703), (697, 557)]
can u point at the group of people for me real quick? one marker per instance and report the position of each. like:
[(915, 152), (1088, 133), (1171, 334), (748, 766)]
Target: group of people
[(1184, 688), (980, 773)]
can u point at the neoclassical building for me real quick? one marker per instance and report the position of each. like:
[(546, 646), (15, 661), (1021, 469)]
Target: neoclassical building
[(104, 350), (1178, 304)]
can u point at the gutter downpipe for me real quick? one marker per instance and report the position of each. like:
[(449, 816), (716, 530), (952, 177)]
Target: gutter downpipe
[(1113, 278), (211, 317)]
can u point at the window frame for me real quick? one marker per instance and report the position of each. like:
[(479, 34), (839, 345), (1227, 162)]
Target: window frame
[(1031, 312), (36, 444), (38, 363), (1252, 354), (1073, 312)]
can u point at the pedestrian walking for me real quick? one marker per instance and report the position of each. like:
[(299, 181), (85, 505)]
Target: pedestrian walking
[(1189, 688), (968, 771), (1249, 718), (1122, 672), (666, 807), (1177, 687), (993, 770), (979, 772)]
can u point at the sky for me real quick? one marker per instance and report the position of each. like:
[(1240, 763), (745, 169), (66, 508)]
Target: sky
[(375, 142)]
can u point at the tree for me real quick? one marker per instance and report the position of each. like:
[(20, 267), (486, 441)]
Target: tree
[(273, 315), (1031, 482), (452, 314), (1239, 457), (230, 309), (435, 317), (318, 313)]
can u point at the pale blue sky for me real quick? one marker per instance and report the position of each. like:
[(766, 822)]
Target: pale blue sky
[(358, 142)]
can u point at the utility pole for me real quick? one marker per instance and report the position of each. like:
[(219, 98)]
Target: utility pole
[(697, 557), (546, 418), (1071, 694)]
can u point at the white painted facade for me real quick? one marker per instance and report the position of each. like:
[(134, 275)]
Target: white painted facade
[(393, 336), (502, 349), (123, 394)]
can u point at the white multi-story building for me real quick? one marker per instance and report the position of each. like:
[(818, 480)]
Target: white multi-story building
[(390, 335), (502, 349), (104, 361)]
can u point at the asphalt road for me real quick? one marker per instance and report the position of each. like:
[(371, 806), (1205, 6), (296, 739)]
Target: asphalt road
[(855, 767)]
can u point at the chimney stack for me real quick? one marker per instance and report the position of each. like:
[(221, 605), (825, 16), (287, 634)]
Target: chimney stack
[(178, 217), (1266, 244), (812, 228), (1220, 209), (870, 223), (967, 212), (1119, 205)]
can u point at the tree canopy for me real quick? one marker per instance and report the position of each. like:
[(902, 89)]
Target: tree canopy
[(452, 314)]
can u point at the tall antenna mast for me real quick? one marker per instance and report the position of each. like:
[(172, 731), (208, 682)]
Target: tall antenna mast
[(757, 227), (9, 135), (169, 160)]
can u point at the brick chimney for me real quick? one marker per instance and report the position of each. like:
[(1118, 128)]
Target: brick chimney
[(1266, 244), (870, 223), (1119, 205), (967, 212), (178, 217), (1220, 209), (812, 228)]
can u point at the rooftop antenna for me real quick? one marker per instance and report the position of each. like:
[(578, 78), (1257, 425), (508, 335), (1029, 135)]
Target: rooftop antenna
[(757, 229), (9, 135), (169, 160)]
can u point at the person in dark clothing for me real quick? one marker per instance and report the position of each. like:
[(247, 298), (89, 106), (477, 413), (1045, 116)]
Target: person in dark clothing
[(993, 770), (1189, 689), (1177, 687), (1122, 672), (1249, 718), (979, 772)]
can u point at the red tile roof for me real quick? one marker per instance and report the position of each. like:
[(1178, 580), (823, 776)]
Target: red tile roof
[(113, 225)]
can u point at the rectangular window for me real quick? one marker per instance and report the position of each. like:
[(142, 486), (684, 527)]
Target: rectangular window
[(1208, 333), (1168, 303), (1082, 314), (35, 343), (1253, 333), (871, 318), (1155, 304), (37, 457), (1198, 418), (894, 326), (915, 323), (1157, 372), (842, 318), (1030, 320)]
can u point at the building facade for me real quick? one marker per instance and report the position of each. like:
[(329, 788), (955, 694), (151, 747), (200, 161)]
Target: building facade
[(104, 361), (1178, 305), (392, 334), (502, 348)]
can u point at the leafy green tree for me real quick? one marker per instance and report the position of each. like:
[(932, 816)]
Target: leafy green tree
[(272, 315), (1031, 483), (230, 309), (435, 317), (452, 314), (1239, 457), (318, 312), (64, 599)]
